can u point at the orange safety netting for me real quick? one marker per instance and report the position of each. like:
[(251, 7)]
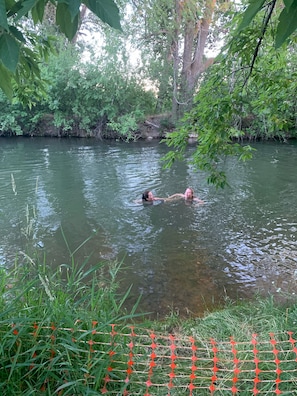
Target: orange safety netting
[(139, 361)]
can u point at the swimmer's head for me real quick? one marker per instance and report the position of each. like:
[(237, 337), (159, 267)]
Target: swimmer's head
[(148, 196), (189, 193)]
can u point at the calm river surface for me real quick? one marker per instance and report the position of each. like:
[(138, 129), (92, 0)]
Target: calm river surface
[(241, 242)]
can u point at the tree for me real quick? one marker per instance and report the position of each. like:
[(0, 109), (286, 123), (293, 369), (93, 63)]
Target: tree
[(22, 48), (174, 35), (99, 97), (241, 84), (194, 38)]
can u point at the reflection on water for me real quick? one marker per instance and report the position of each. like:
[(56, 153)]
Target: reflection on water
[(178, 256)]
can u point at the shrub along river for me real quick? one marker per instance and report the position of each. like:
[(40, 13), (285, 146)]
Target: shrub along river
[(240, 243)]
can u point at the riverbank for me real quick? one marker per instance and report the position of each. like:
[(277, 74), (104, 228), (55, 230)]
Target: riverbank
[(153, 127), (67, 332)]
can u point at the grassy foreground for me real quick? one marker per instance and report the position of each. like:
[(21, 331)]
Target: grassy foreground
[(36, 301)]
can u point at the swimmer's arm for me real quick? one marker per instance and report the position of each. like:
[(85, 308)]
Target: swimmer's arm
[(175, 196), (159, 199)]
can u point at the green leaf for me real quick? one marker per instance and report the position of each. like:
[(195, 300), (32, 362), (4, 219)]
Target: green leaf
[(17, 34), (25, 8), (29, 62), (250, 13), (9, 51), (5, 81), (38, 11), (13, 7), (64, 20), (73, 7), (3, 17), (288, 3), (106, 10), (287, 24)]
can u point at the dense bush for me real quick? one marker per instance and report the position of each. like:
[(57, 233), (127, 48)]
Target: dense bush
[(85, 99)]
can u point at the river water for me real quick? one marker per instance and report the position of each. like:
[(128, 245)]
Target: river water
[(186, 258)]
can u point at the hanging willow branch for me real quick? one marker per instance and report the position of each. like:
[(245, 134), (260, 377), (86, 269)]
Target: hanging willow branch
[(267, 18)]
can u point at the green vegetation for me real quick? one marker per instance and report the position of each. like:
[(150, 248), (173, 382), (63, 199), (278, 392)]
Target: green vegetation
[(286, 24), (22, 48), (249, 93), (55, 330), (70, 297), (239, 319), (81, 99)]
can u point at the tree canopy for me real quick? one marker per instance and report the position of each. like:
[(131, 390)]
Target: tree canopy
[(180, 23), (21, 48)]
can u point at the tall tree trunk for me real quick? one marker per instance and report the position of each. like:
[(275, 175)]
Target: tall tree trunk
[(175, 58), (193, 61), (176, 34)]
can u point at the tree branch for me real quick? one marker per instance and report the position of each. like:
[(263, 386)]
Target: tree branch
[(255, 55)]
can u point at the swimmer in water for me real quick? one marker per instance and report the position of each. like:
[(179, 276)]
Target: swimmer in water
[(148, 198), (188, 196)]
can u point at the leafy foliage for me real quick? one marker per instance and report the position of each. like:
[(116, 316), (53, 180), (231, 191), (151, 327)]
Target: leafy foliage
[(211, 121), (21, 49), (12, 117), (95, 95), (287, 20), (96, 99)]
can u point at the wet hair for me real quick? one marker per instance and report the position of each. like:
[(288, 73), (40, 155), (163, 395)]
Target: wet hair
[(145, 195)]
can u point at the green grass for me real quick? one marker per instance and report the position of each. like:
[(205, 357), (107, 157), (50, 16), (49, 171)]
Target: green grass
[(47, 318)]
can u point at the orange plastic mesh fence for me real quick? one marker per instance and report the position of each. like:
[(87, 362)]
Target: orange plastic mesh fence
[(139, 361)]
